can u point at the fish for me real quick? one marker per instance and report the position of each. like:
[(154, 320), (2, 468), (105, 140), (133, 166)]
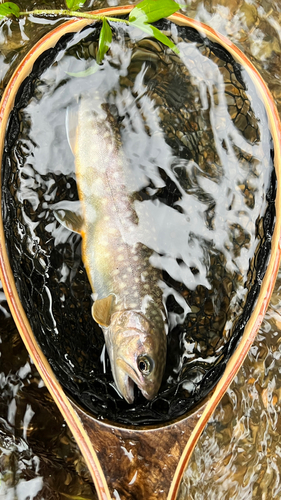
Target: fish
[(128, 298)]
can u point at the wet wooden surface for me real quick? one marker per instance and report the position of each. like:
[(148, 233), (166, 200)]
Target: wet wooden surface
[(139, 464)]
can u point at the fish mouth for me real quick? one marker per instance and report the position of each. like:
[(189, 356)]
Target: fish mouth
[(126, 378), (127, 389)]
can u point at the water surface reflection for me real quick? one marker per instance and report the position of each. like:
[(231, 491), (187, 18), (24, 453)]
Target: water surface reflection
[(38, 456), (239, 454)]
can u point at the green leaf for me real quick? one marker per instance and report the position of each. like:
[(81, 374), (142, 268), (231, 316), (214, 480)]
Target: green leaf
[(74, 4), (104, 40), (86, 72), (149, 11), (156, 33), (8, 8)]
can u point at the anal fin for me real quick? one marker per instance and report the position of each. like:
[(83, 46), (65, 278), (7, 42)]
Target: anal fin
[(69, 214)]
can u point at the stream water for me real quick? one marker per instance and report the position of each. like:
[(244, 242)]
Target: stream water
[(239, 453)]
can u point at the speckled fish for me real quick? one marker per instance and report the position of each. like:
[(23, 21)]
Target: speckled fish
[(128, 299)]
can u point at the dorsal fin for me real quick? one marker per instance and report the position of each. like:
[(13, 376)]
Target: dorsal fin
[(101, 310)]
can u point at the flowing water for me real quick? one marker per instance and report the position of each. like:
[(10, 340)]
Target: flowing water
[(238, 455)]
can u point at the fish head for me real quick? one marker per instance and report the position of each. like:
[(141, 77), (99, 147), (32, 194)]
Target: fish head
[(137, 352)]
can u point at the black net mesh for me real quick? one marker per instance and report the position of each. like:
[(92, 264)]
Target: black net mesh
[(49, 273)]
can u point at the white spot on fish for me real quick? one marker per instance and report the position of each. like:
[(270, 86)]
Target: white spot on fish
[(120, 257), (97, 185)]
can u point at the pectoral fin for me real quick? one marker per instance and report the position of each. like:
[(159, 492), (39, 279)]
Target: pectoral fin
[(101, 310), (71, 219)]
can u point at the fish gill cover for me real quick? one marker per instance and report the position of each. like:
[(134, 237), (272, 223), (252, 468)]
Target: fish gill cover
[(200, 167)]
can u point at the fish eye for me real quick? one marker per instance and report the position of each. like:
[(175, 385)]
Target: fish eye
[(145, 365)]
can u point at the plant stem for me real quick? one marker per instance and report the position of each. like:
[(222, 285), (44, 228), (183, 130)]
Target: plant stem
[(117, 19), (71, 13)]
